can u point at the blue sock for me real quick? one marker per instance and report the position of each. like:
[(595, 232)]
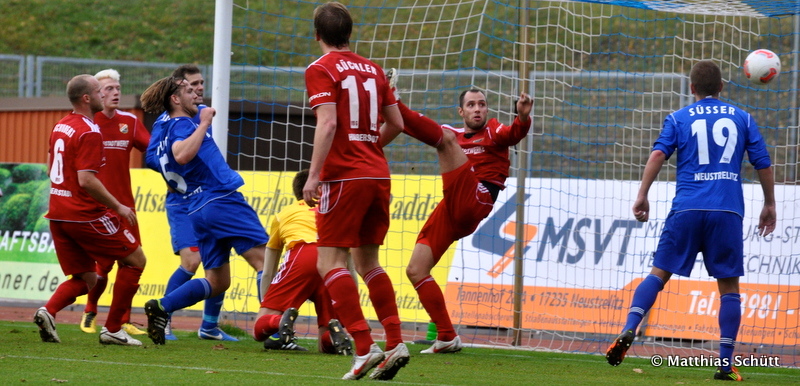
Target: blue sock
[(186, 295), (643, 299), (730, 316), (211, 312), (258, 286), (180, 276)]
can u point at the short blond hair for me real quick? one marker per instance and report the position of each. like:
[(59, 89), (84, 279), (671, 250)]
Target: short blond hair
[(107, 73)]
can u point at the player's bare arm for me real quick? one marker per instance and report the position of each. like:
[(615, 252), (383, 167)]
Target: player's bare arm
[(185, 151), (323, 139), (768, 218), (641, 207), (89, 181), (393, 125)]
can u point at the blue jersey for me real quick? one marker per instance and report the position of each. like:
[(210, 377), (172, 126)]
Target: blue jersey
[(155, 132), (202, 179), (711, 138)]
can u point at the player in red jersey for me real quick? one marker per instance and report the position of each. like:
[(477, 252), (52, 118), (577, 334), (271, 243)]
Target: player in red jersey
[(122, 132), (88, 224), (474, 164), (349, 180)]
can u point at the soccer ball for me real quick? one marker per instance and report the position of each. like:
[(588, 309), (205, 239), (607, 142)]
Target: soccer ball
[(762, 66)]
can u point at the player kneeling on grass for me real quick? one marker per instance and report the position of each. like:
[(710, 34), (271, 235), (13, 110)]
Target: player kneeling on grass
[(295, 229)]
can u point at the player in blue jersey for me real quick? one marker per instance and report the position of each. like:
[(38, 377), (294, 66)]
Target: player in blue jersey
[(192, 165), (184, 242), (711, 138)]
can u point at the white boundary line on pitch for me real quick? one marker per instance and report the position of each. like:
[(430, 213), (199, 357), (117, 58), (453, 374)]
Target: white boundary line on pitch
[(577, 359), (189, 368)]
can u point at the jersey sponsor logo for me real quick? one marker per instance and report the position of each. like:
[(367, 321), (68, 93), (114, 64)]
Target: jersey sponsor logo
[(194, 192), (706, 110), (123, 128), (345, 65), (363, 138), (716, 176), (119, 144), (474, 150), (320, 95), (60, 192), (66, 129)]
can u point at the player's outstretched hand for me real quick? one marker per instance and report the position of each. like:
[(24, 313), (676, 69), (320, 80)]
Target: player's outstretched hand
[(524, 106)]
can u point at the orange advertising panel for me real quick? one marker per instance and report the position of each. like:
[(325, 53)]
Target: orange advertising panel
[(685, 309), (543, 308), (689, 309)]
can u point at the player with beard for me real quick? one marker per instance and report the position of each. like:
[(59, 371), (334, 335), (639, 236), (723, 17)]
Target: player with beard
[(89, 226), (184, 242), (474, 164), (192, 165)]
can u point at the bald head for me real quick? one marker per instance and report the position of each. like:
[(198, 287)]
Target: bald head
[(85, 95), (79, 86)]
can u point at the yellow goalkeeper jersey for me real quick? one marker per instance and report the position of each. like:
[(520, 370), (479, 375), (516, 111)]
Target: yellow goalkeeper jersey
[(294, 224)]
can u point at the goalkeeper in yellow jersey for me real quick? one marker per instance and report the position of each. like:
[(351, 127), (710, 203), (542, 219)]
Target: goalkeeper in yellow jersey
[(294, 228)]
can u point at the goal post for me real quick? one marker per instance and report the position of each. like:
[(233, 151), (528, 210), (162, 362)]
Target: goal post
[(555, 264)]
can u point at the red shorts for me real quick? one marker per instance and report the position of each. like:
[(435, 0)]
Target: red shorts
[(353, 213), (104, 267), (465, 204), (80, 244), (297, 280)]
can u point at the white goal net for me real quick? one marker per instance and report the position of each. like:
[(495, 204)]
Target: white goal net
[(603, 75)]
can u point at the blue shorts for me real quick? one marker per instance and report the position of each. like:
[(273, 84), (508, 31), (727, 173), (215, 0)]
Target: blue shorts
[(717, 234), (180, 227), (223, 223)]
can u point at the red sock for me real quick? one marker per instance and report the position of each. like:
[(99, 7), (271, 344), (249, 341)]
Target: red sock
[(127, 283), (344, 295), (431, 297), (325, 345), (126, 317), (94, 294), (381, 293), (65, 295), (420, 127), (265, 326)]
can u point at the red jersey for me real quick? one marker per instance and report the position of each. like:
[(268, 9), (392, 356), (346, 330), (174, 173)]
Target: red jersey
[(121, 133), (487, 149), (359, 89), (75, 145)]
